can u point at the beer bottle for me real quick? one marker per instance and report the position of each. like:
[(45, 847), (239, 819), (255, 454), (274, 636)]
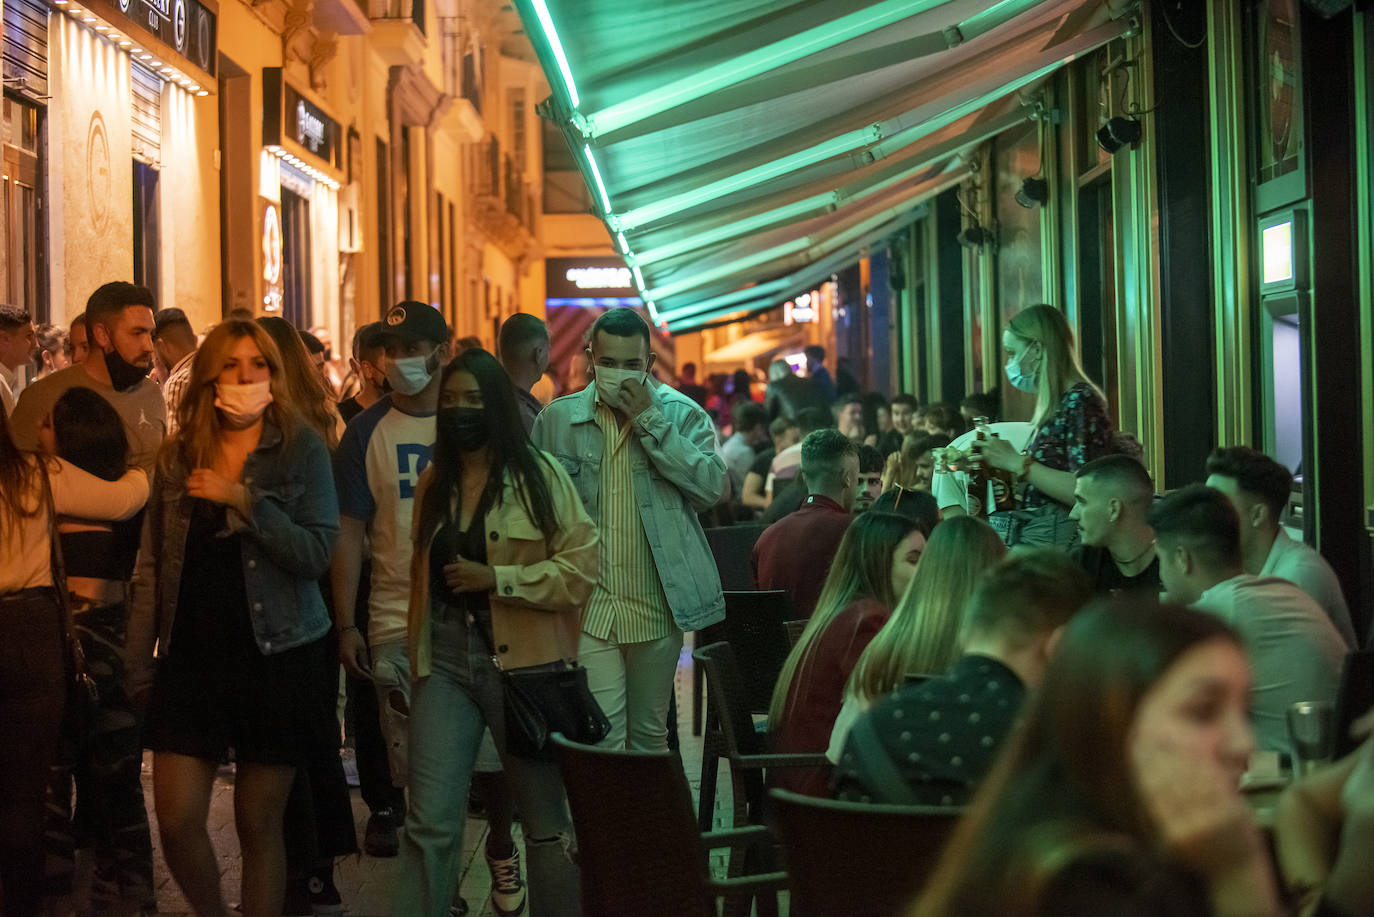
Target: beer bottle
[(978, 475), (1002, 482)]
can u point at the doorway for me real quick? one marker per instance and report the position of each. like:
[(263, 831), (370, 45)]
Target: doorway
[(295, 258)]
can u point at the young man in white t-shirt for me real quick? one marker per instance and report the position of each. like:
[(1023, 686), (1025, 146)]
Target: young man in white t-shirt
[(376, 469)]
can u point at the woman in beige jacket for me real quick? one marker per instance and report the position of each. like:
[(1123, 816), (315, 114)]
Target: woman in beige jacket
[(505, 559)]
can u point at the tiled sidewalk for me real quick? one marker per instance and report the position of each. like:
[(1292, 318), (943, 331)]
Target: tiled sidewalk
[(365, 882)]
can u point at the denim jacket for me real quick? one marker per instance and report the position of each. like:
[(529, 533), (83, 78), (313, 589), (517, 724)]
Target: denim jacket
[(677, 473), (289, 533)]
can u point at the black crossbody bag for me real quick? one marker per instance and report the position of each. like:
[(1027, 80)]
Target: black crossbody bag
[(540, 700), (83, 695)]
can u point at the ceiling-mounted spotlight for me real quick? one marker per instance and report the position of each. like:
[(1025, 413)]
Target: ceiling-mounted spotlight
[(1118, 132), (975, 236), (1034, 192)]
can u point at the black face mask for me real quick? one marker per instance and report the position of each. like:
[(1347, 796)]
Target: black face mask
[(123, 374), (466, 428)]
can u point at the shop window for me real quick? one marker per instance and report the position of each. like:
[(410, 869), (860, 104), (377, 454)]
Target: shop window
[(147, 239)]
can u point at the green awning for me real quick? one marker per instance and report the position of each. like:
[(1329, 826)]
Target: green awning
[(734, 147)]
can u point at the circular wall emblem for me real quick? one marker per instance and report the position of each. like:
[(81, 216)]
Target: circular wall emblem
[(396, 315), (98, 173), (271, 246), (203, 40), (179, 25)]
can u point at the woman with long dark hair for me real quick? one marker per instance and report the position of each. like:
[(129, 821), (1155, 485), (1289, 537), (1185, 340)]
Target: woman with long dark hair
[(104, 761), (33, 678), (871, 570), (505, 558), (243, 520), (1119, 795)]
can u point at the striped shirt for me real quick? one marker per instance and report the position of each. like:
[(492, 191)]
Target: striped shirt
[(175, 387), (628, 604)]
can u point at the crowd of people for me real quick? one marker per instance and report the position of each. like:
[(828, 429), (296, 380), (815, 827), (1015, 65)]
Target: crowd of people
[(220, 522)]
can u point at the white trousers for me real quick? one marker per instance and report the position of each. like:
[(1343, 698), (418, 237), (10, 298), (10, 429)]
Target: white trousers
[(633, 683)]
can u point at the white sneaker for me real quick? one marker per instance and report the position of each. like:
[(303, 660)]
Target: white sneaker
[(507, 887)]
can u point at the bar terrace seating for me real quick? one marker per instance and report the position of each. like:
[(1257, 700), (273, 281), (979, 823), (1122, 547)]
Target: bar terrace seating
[(639, 848), (849, 859)]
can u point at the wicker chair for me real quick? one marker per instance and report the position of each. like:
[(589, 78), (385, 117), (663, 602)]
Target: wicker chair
[(755, 626), (743, 745), (638, 846), (848, 858)]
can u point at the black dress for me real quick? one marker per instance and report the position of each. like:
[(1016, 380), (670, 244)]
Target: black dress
[(215, 690)]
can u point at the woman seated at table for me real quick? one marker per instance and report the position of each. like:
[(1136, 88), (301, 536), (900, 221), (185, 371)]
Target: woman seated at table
[(923, 635), (1120, 795), (1071, 428), (874, 564)]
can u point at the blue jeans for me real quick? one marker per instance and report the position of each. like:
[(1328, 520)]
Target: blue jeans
[(448, 711)]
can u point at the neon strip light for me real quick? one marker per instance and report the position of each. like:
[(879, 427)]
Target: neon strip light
[(541, 10), (702, 83), (600, 185), (748, 178)]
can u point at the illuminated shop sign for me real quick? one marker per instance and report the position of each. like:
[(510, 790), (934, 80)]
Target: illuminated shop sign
[(801, 310), (288, 114), (186, 29), (589, 282)]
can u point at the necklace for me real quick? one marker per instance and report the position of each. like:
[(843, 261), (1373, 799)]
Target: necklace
[(1134, 560)]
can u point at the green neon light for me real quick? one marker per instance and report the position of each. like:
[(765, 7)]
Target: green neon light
[(596, 174), (624, 243), (653, 312), (761, 60), (726, 299), (750, 177), (541, 10), (639, 280), (702, 278), (738, 228)]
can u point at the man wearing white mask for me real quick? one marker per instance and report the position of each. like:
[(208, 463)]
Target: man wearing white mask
[(644, 459), (376, 468)]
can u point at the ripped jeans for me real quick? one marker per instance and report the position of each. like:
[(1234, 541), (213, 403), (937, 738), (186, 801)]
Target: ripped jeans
[(448, 712)]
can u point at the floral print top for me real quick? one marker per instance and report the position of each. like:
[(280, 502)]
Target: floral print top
[(1078, 432)]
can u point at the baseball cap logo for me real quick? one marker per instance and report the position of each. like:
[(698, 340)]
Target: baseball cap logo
[(396, 315)]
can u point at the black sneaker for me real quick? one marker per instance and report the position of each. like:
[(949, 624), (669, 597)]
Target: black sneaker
[(324, 896), (380, 840)]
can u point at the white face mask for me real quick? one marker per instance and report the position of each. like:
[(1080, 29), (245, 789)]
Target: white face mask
[(409, 375), (242, 405), (1019, 377), (608, 379)]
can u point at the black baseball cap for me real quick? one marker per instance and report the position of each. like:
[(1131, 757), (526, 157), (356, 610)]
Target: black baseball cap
[(414, 321)]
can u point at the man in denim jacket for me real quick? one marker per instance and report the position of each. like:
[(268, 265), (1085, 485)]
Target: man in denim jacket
[(644, 460)]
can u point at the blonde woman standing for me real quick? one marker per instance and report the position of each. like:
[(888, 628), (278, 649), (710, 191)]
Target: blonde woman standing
[(1071, 428), (923, 635)]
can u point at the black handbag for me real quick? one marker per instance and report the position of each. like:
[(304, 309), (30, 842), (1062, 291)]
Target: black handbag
[(543, 699), (83, 695)]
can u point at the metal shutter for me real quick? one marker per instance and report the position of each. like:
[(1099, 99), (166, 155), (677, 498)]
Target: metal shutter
[(147, 134), (26, 46)]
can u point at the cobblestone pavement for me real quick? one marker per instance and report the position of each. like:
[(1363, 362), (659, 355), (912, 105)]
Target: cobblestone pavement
[(365, 882)]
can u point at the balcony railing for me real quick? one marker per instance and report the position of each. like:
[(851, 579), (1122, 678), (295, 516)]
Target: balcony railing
[(414, 10)]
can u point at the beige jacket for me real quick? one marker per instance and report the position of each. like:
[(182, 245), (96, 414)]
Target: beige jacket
[(542, 585)]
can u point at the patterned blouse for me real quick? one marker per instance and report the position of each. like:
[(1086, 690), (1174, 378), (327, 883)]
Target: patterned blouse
[(1078, 432)]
